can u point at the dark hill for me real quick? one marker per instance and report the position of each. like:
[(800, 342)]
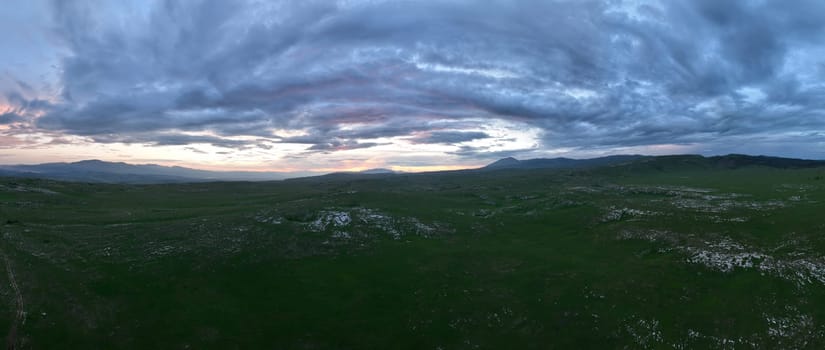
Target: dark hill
[(560, 163), (111, 172), (731, 161)]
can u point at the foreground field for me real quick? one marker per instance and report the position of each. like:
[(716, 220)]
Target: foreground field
[(635, 257)]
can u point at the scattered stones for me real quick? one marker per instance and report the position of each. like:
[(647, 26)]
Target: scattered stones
[(363, 221), (793, 329), (615, 214), (645, 333), (719, 219), (326, 218), (20, 188), (726, 255)]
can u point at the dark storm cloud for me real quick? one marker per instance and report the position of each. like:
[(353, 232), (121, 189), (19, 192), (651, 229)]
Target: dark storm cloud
[(19, 109), (340, 145), (173, 140), (10, 117), (450, 137), (584, 73), (481, 153)]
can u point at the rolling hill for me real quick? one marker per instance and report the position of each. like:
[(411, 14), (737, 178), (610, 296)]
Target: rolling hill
[(664, 252), (730, 161), (111, 172), (98, 171)]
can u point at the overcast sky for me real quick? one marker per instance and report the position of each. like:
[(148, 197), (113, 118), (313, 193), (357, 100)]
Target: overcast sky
[(413, 85)]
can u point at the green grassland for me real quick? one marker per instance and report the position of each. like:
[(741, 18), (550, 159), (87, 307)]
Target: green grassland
[(656, 255)]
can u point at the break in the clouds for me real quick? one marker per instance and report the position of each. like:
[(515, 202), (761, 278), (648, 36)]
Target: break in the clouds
[(442, 80)]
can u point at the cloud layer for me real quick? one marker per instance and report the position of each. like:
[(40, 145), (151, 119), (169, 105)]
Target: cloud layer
[(468, 78)]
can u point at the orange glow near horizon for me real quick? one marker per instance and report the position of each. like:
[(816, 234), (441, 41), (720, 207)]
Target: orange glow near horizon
[(345, 166), (406, 169)]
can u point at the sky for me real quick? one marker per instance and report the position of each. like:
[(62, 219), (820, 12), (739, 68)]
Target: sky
[(407, 85)]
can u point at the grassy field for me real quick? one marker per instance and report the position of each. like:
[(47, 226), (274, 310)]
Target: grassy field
[(667, 255)]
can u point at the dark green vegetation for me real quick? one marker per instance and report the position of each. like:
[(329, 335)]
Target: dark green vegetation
[(668, 253)]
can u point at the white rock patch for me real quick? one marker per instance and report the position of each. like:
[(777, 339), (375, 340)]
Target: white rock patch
[(726, 255), (616, 214), (330, 217)]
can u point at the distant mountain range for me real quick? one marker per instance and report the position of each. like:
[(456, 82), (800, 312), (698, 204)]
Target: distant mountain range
[(109, 172), (729, 161), (378, 171), (560, 163), (344, 175)]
